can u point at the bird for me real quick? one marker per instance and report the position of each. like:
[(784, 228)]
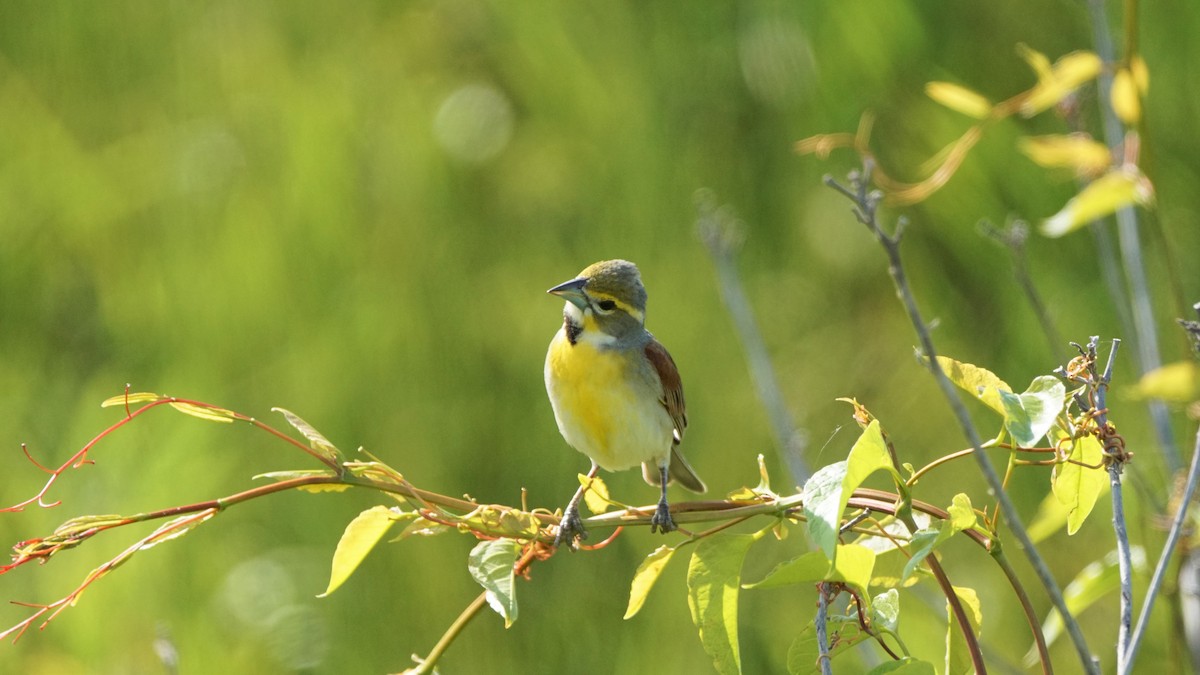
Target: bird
[(615, 390)]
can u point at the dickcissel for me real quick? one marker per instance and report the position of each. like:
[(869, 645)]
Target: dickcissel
[(615, 390)]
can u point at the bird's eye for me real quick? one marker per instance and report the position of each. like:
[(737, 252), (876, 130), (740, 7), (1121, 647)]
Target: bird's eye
[(606, 305)]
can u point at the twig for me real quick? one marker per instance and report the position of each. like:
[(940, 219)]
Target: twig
[(865, 206), (1013, 238), (722, 236), (822, 636), (1124, 556), (1146, 343), (1164, 558)]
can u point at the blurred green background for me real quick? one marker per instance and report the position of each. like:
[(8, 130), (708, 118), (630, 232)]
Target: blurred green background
[(353, 211)]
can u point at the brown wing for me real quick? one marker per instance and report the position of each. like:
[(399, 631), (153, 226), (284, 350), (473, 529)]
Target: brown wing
[(672, 385), (672, 400)]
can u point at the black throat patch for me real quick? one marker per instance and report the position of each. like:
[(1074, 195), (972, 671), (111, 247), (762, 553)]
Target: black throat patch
[(573, 330)]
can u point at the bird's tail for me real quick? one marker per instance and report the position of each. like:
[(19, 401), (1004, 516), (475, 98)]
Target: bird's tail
[(680, 471)]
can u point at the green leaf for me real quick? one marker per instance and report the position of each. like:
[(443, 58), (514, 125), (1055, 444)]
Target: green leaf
[(713, 581), (595, 494), (958, 658), (885, 610), (905, 666), (361, 535), (1077, 487), (204, 412), (645, 577), (422, 527), (280, 476), (843, 634), (1094, 582), (316, 440), (1050, 518), (492, 565), (823, 505), (924, 541), (978, 382), (869, 454), (962, 514), (130, 399), (1028, 416), (853, 566), (826, 492), (805, 569)]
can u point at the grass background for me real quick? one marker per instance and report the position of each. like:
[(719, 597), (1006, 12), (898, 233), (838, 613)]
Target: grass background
[(353, 212)]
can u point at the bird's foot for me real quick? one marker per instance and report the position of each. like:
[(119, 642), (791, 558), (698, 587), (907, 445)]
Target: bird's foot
[(570, 529), (661, 520)]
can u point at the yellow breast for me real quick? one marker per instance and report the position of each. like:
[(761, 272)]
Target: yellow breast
[(604, 409)]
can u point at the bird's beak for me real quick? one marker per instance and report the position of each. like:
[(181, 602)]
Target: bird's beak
[(572, 292)]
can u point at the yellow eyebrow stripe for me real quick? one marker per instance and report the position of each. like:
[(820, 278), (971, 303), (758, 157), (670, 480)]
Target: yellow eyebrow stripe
[(624, 306)]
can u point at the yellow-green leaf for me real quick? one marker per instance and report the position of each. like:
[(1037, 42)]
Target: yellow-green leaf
[(1030, 415), (1057, 82), (1126, 100), (1141, 74), (802, 654), (1036, 60), (595, 494), (981, 383), (1178, 382), (962, 514), (491, 563), (1077, 487), (204, 413), (645, 577), (905, 666), (853, 566), (1105, 195), (123, 399), (325, 487), (1080, 152), (959, 99), (714, 581), (361, 535), (1050, 518), (828, 490), (177, 527), (809, 568), (280, 476), (316, 440), (958, 658)]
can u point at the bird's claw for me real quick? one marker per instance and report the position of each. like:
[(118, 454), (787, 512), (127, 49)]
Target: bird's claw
[(570, 530), (661, 520)]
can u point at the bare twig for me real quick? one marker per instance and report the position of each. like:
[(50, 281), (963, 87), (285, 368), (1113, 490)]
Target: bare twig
[(722, 235), (1013, 239), (822, 632), (865, 207), (1164, 558), (1147, 356)]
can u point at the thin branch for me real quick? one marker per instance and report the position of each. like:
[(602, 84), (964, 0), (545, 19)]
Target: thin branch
[(822, 632), (1146, 351), (865, 206), (722, 236), (1173, 535), (1013, 239)]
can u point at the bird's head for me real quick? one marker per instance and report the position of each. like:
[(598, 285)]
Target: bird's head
[(608, 294)]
